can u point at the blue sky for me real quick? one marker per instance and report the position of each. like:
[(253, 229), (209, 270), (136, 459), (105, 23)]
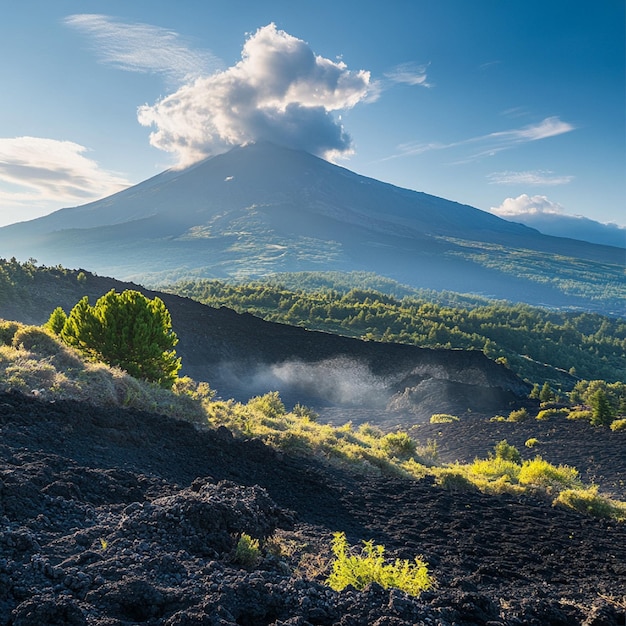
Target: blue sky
[(515, 106)]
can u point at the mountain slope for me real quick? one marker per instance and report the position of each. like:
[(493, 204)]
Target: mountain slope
[(263, 209)]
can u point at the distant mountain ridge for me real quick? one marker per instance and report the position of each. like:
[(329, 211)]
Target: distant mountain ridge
[(263, 209)]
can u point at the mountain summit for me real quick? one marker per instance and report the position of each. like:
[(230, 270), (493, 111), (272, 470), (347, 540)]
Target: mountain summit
[(263, 209)]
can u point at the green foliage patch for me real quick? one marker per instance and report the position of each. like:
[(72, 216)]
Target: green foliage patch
[(360, 568), (126, 330)]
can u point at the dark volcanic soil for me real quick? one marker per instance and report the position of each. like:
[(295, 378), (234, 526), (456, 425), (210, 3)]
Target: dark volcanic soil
[(114, 517)]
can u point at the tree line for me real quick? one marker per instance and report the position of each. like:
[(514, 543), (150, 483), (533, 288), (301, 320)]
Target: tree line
[(538, 344)]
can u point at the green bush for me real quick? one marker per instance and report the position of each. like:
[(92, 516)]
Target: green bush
[(56, 321), (398, 444), (36, 339), (443, 418), (369, 566), (268, 404), (304, 412), (454, 481), (505, 451), (532, 442), (518, 416), (540, 473), (619, 424), (545, 414), (247, 551), (7, 332), (589, 502), (580, 414)]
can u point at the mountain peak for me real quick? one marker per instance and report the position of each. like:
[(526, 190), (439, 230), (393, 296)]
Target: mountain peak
[(263, 208)]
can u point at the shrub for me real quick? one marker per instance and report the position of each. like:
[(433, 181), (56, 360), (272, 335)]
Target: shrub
[(518, 416), (304, 412), (619, 424), (494, 469), (443, 418), (7, 332), (532, 442), (36, 339), (369, 566), (454, 481), (399, 445), (269, 404), (540, 473), (580, 414), (505, 451), (589, 502), (498, 418), (552, 412), (247, 551)]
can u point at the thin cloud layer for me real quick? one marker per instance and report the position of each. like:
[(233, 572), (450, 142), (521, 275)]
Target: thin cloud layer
[(137, 47), (492, 143), (527, 205), (36, 171), (536, 177), (280, 91), (408, 74)]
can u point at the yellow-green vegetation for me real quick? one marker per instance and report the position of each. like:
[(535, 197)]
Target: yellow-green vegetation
[(580, 414), (247, 551), (505, 472), (35, 361), (518, 415), (619, 424), (365, 448), (546, 414), (368, 565), (532, 442), (443, 418), (590, 502)]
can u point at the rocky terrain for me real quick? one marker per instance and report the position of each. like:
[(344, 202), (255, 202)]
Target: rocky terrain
[(118, 517)]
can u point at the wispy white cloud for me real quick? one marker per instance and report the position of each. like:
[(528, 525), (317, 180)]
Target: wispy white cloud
[(492, 143), (280, 91), (527, 205), (408, 74), (36, 172), (536, 178), (138, 47)]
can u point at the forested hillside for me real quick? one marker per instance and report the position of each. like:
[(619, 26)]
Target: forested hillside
[(538, 344)]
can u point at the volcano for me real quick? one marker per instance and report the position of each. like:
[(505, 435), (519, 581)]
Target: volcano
[(264, 209)]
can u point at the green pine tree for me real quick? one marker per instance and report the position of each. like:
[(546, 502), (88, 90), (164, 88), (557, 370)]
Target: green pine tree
[(602, 411), (56, 321), (126, 330)]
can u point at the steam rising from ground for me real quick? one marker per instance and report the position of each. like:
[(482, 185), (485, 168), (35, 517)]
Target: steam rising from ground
[(339, 380), (280, 91)]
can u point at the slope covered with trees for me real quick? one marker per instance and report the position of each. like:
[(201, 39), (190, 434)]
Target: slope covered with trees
[(538, 344)]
